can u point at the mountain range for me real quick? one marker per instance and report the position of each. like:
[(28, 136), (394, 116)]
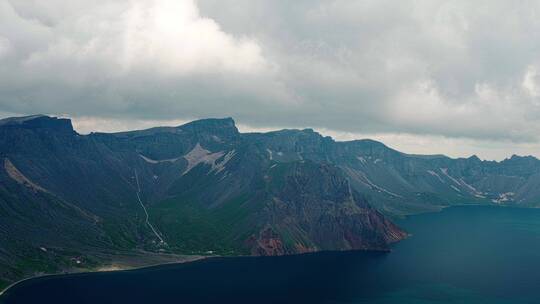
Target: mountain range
[(76, 201)]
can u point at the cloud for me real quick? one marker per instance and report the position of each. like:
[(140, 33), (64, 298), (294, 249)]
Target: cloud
[(139, 58), (165, 35), (461, 70), (455, 69)]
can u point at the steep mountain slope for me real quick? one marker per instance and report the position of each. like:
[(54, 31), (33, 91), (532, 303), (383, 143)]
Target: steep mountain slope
[(405, 184), (38, 230), (397, 183), (203, 187), (66, 199)]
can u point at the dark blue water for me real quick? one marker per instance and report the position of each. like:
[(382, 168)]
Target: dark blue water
[(468, 254)]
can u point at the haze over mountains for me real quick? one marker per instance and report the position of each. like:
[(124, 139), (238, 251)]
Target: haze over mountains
[(67, 199)]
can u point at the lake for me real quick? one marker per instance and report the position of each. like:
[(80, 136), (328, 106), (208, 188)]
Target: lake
[(469, 254)]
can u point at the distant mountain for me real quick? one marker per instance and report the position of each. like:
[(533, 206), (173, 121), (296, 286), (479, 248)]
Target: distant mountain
[(68, 200)]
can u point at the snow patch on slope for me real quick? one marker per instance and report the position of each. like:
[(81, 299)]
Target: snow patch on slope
[(455, 188), (462, 184), (436, 175), (471, 188), (504, 197), (445, 172), (218, 167), (200, 155), (368, 182), (153, 161), (270, 153)]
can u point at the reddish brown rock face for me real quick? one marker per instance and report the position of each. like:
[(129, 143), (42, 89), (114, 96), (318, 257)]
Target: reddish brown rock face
[(316, 209), (267, 244), (301, 248)]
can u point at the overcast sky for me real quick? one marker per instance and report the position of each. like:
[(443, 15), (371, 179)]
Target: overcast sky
[(453, 77)]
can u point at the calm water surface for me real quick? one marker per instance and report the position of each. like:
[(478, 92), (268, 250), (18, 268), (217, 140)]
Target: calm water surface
[(470, 254)]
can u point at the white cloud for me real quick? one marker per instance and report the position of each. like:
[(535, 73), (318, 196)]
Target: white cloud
[(457, 70), (5, 47), (531, 81), (163, 34), (173, 36), (425, 67)]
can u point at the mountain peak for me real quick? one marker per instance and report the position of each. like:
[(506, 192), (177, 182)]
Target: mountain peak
[(474, 158), (217, 126), (19, 120), (516, 158), (38, 121), (226, 122)]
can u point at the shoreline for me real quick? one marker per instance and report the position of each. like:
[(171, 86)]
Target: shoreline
[(109, 268), (195, 258), (112, 268)]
